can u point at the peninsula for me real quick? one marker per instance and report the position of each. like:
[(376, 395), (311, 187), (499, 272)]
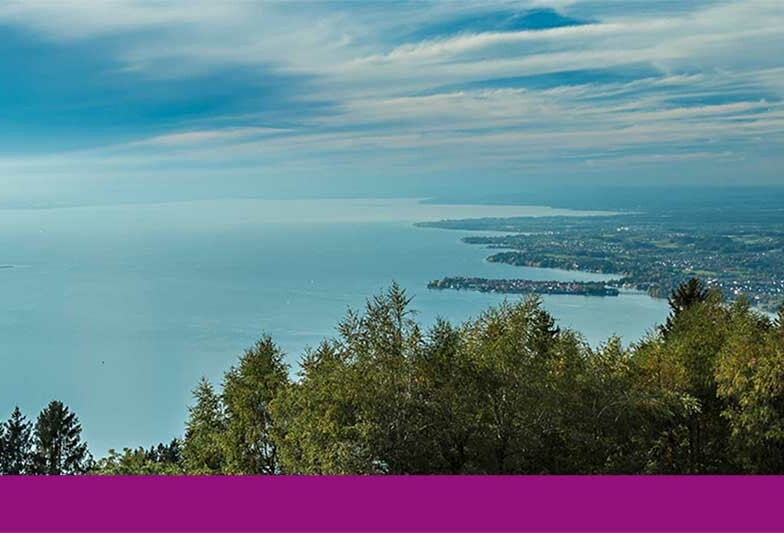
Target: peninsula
[(524, 286), (736, 250)]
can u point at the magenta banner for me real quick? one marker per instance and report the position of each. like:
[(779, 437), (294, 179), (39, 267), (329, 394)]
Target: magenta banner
[(635, 503)]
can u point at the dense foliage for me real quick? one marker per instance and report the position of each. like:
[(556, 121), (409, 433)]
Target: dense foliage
[(508, 392)]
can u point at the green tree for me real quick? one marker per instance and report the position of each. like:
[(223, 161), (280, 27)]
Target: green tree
[(166, 453), (605, 416), (163, 459), (506, 393), (203, 449), (447, 401), (59, 448), (16, 445), (248, 390), (318, 425), (687, 294), (381, 345), (351, 411), (683, 359), (519, 359), (750, 376)]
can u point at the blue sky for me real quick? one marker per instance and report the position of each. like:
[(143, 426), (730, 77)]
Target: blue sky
[(122, 100)]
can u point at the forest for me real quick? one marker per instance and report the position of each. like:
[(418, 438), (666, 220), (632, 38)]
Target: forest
[(509, 392)]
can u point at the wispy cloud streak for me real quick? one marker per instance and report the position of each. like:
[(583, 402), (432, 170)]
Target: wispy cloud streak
[(676, 87)]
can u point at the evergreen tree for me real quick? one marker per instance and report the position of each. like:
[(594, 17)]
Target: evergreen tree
[(318, 426), (446, 405), (381, 347), (750, 376), (163, 459), (248, 390), (58, 442), (696, 437), (353, 412), (166, 453), (687, 294), (519, 360), (203, 451), (16, 445)]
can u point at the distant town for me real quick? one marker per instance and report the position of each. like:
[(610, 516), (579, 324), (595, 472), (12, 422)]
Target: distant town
[(735, 251), (524, 286)]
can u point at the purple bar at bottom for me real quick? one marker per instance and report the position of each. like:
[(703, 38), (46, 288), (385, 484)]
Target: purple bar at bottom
[(434, 503)]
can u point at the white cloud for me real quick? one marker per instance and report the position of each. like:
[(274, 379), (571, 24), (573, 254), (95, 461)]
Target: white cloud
[(716, 79), (77, 19), (186, 138)]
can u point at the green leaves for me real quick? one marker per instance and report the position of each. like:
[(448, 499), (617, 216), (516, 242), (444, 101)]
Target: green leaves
[(248, 390), (507, 393), (164, 459), (750, 380), (231, 432), (203, 449)]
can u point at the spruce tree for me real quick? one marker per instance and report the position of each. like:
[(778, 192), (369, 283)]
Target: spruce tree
[(203, 449), (687, 294), (16, 445), (248, 389), (59, 448)]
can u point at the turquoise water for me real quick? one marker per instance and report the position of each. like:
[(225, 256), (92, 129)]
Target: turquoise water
[(118, 310)]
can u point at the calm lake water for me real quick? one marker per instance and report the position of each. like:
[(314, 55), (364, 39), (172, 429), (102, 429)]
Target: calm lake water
[(118, 310)]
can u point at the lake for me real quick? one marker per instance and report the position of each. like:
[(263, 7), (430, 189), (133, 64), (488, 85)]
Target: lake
[(118, 310)]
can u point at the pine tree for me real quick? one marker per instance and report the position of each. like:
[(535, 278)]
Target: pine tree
[(203, 449), (16, 445), (248, 390), (165, 453), (59, 448), (687, 294)]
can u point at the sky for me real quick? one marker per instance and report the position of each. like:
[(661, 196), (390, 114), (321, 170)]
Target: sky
[(121, 100)]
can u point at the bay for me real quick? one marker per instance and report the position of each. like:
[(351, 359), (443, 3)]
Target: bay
[(117, 310)]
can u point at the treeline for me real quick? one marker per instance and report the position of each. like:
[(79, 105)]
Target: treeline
[(51, 446), (507, 393)]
